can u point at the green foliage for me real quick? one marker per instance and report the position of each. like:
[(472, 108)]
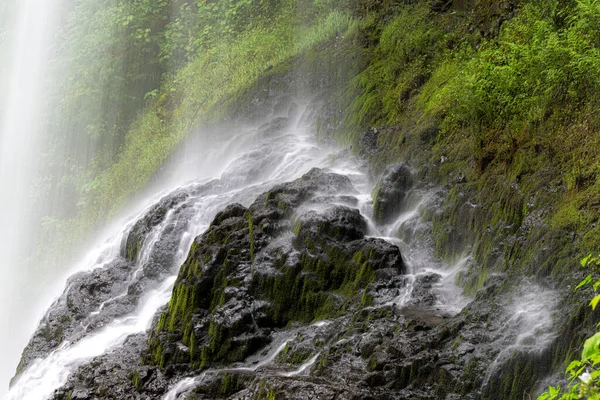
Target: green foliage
[(513, 92), (584, 374), (141, 75), (399, 63), (199, 89)]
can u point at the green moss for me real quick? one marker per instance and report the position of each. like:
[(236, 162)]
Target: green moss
[(266, 392), (162, 321), (180, 305), (318, 288), (293, 355), (156, 352), (231, 383), (135, 379)]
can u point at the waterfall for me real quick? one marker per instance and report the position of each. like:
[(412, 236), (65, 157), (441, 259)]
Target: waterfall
[(25, 44), (251, 162), (390, 307)]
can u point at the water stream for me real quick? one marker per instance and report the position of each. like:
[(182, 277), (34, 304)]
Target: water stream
[(261, 161), (251, 163), (254, 162), (214, 169), (25, 49)]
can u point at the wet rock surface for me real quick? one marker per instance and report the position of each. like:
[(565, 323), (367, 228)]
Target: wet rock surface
[(116, 375), (263, 267), (94, 298), (390, 192), (238, 325)]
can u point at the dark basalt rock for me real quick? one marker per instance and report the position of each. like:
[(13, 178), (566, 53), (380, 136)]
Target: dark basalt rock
[(367, 143), (263, 267), (275, 127), (133, 241), (390, 192), (336, 223), (116, 375), (422, 293), (94, 298), (68, 318), (261, 274)]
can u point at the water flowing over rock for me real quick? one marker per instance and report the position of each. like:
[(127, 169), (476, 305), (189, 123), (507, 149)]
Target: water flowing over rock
[(280, 286), (94, 298), (263, 267)]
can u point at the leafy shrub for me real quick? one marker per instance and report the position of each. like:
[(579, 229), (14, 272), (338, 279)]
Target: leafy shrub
[(584, 374)]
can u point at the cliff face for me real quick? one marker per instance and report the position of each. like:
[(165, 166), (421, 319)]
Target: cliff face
[(287, 298), (471, 115)]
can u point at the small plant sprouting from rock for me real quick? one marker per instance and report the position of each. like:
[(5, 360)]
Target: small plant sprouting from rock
[(584, 373)]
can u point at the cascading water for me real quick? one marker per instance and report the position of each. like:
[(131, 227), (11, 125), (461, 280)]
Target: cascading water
[(122, 284), (258, 160), (25, 45)]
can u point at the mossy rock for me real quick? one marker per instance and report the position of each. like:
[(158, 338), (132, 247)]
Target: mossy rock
[(267, 266), (390, 192)]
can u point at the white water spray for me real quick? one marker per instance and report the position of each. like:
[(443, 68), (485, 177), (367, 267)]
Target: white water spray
[(291, 156), (27, 44), (528, 325), (413, 236)]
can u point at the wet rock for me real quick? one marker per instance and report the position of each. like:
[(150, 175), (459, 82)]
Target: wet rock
[(70, 316), (275, 127), (367, 143), (262, 267), (116, 375), (390, 192), (423, 289), (290, 195), (133, 241), (338, 223), (375, 379), (369, 343), (263, 273), (92, 299)]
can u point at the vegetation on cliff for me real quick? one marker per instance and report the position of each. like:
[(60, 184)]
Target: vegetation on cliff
[(497, 101), (139, 76), (485, 92)]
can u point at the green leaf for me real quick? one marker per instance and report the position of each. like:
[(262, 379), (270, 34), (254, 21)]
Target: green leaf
[(576, 373), (574, 364), (590, 347), (584, 282), (585, 260), (551, 394), (594, 302)]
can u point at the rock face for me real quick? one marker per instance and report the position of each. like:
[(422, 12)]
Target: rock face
[(238, 325), (116, 375), (94, 298), (295, 255), (281, 260), (390, 192)]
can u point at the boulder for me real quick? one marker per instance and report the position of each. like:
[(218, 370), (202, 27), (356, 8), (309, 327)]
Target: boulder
[(283, 259), (390, 192)]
